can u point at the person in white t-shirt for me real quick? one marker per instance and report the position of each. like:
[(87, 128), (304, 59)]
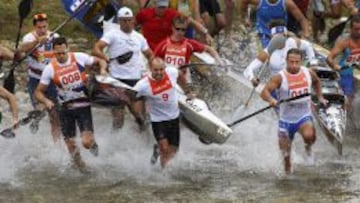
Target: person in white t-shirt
[(36, 62), (67, 72), (275, 58), (159, 87), (126, 63)]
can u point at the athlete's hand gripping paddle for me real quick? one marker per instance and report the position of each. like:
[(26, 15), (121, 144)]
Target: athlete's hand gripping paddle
[(265, 108)]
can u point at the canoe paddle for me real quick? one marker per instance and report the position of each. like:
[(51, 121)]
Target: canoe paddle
[(265, 108), (9, 82), (24, 9), (32, 115)]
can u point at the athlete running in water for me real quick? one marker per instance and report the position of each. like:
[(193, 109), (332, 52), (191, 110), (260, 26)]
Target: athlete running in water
[(121, 42), (36, 64), (8, 55), (67, 72), (159, 87), (349, 48), (295, 116)]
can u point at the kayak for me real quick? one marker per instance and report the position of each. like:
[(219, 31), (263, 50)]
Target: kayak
[(332, 117), (198, 117), (195, 113)]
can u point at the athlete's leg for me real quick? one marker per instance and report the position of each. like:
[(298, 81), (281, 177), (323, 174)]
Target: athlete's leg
[(285, 148), (118, 114), (307, 131)]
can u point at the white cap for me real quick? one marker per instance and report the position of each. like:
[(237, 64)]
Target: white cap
[(125, 12)]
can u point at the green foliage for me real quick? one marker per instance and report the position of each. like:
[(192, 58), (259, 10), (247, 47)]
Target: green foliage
[(9, 19)]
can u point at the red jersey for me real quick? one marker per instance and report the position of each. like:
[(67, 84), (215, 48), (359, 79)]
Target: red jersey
[(154, 28), (178, 53)]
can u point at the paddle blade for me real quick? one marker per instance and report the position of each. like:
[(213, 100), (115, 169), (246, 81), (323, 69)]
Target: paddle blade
[(7, 133), (336, 31), (37, 114), (9, 83), (276, 42), (24, 8)]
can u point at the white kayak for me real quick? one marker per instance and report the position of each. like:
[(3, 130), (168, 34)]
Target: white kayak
[(202, 121), (195, 113)]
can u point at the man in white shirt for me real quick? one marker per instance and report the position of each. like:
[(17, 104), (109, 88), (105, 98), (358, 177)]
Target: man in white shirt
[(125, 47), (36, 64), (159, 87), (67, 72)]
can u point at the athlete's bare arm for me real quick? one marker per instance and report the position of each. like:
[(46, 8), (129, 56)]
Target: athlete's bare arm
[(338, 48), (273, 84), (298, 15), (98, 50)]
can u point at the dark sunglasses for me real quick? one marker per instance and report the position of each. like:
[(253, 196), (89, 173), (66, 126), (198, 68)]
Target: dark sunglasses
[(40, 16), (180, 29)]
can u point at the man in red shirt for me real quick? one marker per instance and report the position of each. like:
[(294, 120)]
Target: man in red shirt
[(176, 49), (156, 23)]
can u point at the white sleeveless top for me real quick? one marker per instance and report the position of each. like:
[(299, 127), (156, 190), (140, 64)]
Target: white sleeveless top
[(293, 85), (162, 96)]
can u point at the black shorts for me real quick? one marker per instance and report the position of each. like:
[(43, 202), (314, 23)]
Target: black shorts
[(70, 117), (210, 6), (169, 130)]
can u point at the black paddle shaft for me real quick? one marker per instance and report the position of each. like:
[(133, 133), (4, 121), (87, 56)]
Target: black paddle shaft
[(24, 10), (266, 108), (9, 82), (32, 115)]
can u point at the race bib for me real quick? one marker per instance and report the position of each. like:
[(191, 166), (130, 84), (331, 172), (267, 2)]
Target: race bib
[(71, 80), (175, 60), (298, 84)]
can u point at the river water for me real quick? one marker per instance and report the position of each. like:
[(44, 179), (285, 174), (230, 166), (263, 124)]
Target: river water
[(247, 168)]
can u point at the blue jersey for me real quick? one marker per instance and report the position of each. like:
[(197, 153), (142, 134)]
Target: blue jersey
[(351, 55), (266, 12)]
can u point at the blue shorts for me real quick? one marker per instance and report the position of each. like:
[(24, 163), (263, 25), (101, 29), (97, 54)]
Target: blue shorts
[(347, 84), (291, 128), (50, 93), (264, 39)]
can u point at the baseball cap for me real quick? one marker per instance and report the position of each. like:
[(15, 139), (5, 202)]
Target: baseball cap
[(278, 29), (125, 12), (164, 3)]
